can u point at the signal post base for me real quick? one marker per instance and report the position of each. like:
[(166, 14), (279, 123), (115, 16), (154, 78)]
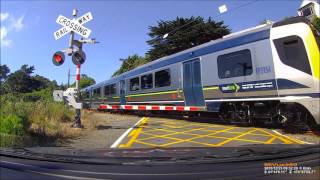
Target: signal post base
[(77, 120)]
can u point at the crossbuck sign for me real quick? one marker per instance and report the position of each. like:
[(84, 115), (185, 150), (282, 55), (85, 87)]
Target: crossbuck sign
[(75, 25)]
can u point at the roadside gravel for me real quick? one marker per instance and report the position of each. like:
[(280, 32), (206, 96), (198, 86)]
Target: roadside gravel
[(101, 130)]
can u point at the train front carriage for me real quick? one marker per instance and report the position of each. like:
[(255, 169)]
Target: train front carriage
[(295, 46), (268, 73)]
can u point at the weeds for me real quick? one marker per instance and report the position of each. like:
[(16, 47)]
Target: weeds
[(34, 115)]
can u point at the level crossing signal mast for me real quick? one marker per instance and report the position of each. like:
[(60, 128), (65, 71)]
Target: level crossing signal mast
[(74, 50)]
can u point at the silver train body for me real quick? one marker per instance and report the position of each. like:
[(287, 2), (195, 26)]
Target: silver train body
[(268, 72)]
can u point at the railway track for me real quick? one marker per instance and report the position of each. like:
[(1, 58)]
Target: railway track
[(214, 118)]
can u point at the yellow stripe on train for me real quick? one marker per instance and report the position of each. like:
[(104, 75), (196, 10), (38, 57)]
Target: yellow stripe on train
[(313, 52)]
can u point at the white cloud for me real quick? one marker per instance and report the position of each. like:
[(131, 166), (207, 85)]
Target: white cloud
[(17, 23), (8, 27), (3, 34), (4, 16)]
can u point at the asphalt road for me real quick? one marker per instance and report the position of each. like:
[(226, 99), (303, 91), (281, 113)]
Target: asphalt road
[(161, 132), (105, 130)]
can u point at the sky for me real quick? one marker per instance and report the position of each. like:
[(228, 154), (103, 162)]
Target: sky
[(120, 26)]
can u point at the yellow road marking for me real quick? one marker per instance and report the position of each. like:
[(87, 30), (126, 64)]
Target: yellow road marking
[(173, 133), (189, 132), (290, 138), (236, 137), (178, 125), (200, 136), (279, 137), (271, 140), (249, 140), (134, 134)]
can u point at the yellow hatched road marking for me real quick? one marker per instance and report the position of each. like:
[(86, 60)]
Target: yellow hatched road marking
[(271, 140), (290, 138), (200, 136), (134, 134), (173, 133), (211, 134), (279, 137), (236, 137), (189, 132)]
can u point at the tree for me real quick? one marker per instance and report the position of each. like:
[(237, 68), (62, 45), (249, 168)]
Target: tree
[(28, 70), (85, 81), (40, 82), (184, 33), (22, 81), (18, 82), (4, 71), (130, 63), (316, 22)]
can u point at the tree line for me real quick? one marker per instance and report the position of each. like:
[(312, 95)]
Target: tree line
[(25, 81)]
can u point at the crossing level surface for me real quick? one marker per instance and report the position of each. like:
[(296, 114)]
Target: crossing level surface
[(150, 132)]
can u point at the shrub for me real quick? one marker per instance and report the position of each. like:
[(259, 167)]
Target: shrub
[(12, 124), (44, 94), (43, 116)]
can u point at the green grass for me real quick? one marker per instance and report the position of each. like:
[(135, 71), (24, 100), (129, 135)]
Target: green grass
[(12, 124), (32, 115)]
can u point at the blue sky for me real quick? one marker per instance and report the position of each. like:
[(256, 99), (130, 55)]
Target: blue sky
[(121, 26)]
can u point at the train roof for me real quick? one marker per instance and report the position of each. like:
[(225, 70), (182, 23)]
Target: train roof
[(231, 40)]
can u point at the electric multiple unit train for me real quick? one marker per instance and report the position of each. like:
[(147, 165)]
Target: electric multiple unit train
[(268, 73)]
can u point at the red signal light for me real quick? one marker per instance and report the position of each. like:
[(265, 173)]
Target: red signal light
[(58, 58)]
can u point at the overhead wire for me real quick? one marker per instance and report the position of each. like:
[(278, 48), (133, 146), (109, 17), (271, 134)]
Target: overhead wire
[(178, 28)]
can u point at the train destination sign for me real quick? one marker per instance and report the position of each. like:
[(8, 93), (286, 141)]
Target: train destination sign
[(73, 25)]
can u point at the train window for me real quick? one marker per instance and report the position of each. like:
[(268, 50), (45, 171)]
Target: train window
[(292, 52), (307, 11), (146, 81), (134, 84), (107, 90), (235, 64), (113, 89), (162, 78), (96, 92), (86, 94)]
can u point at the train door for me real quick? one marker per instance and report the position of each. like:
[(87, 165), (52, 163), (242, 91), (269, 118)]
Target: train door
[(192, 86), (122, 92)]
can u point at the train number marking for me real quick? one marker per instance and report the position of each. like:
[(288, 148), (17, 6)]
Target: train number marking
[(263, 70)]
